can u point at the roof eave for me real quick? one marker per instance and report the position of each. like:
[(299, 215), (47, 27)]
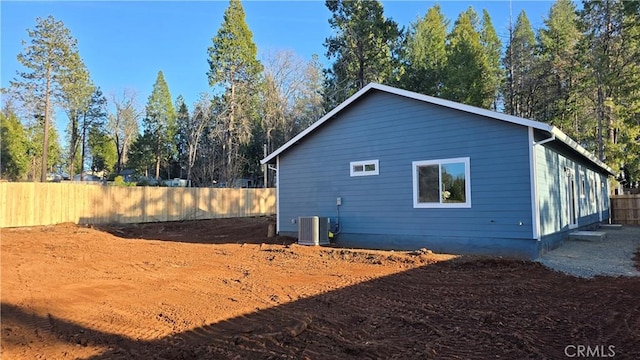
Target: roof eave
[(317, 124), (445, 103), (580, 150)]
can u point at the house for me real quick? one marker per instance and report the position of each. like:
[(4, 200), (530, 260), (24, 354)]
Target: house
[(394, 169)]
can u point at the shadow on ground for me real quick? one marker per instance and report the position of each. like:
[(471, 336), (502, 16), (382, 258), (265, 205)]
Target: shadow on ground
[(255, 230)]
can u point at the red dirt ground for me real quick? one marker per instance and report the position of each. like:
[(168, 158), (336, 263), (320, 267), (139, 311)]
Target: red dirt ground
[(220, 289)]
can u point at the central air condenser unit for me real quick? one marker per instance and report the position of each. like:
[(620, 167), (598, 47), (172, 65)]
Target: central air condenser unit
[(313, 230)]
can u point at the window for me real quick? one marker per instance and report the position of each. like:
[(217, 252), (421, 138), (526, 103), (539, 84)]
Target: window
[(364, 168), (592, 190), (583, 193), (441, 183)]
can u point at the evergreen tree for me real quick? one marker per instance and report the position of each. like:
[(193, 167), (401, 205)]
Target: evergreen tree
[(425, 56), (160, 124), (183, 126), (49, 55), (76, 96), (494, 76), (35, 133), (102, 150), (364, 47), (467, 68), (14, 159), (234, 71), (559, 102), (141, 155), (520, 63), (93, 121), (612, 43)]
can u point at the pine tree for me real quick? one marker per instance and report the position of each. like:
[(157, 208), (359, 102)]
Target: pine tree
[(494, 76), (35, 133), (160, 124), (102, 149), (93, 120), (612, 43), (466, 67), (183, 127), (141, 155), (46, 59), (559, 103), (76, 96), (520, 63), (364, 47), (425, 57), (234, 71)]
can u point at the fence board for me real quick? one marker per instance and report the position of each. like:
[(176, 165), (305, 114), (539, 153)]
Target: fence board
[(625, 209), (33, 204)]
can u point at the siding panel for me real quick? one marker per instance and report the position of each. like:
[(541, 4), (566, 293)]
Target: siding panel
[(553, 193), (397, 131)]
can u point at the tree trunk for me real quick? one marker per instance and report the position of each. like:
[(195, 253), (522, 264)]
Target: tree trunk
[(600, 117), (229, 170), (82, 151), (157, 167), (45, 137), (119, 154)]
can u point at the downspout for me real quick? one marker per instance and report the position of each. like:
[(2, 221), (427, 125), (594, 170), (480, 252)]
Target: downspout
[(276, 169), (535, 205)]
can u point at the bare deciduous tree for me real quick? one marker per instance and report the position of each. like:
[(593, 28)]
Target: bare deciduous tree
[(123, 125)]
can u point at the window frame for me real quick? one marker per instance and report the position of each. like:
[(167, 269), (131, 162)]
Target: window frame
[(467, 175), (364, 164)]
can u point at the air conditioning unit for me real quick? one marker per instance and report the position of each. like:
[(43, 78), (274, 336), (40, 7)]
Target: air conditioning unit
[(313, 230)]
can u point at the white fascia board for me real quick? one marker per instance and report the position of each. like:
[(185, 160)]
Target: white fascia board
[(411, 95), (465, 108), (317, 124), (582, 151), (449, 104)]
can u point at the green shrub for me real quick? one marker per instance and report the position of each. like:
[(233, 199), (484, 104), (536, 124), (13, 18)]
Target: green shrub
[(119, 181)]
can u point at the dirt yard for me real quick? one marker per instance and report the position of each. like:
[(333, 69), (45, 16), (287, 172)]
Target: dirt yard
[(221, 289)]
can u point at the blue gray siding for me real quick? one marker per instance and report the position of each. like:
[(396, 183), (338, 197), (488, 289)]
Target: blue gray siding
[(553, 193), (377, 211)]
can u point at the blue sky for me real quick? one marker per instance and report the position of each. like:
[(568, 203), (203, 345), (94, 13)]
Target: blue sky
[(124, 44)]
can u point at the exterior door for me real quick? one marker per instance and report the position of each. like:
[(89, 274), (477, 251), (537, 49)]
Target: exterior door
[(572, 196)]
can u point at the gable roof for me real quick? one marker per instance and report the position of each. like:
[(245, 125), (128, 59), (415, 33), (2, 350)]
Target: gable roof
[(552, 130)]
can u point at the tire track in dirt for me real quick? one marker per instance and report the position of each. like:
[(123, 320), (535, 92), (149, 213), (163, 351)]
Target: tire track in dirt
[(179, 299)]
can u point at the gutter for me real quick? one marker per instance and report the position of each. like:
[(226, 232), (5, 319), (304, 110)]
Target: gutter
[(535, 205), (552, 138)]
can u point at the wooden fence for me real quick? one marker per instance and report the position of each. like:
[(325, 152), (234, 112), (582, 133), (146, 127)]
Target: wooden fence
[(625, 209), (33, 204)]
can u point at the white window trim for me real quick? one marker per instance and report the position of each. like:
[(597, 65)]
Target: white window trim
[(467, 176), (363, 163)]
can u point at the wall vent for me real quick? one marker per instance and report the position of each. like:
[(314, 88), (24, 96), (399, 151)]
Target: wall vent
[(313, 230)]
